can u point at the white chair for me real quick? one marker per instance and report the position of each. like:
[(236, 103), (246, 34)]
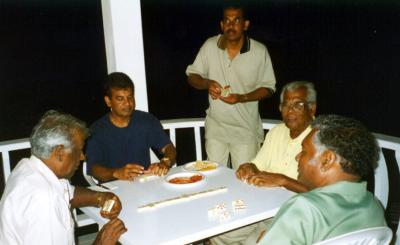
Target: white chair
[(369, 236), (90, 179)]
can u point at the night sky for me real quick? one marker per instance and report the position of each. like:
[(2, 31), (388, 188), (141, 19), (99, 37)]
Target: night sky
[(52, 57)]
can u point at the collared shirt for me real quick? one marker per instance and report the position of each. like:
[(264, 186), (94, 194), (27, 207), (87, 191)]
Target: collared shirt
[(278, 153), (247, 71), (35, 207), (325, 212)]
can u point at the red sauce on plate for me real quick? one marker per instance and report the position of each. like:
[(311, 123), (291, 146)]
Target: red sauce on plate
[(186, 180)]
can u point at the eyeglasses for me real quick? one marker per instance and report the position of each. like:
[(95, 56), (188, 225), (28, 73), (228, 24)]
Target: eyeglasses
[(235, 21), (297, 106)]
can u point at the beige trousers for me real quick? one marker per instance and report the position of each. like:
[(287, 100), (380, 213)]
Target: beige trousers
[(248, 235), (218, 151)]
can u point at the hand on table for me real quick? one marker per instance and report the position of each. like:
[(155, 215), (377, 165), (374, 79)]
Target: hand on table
[(158, 169), (128, 172), (246, 170), (116, 209), (266, 179), (110, 232)]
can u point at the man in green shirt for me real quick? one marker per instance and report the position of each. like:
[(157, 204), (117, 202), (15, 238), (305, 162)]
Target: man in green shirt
[(337, 155)]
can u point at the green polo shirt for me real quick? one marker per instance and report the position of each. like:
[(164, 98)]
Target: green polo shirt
[(324, 213)]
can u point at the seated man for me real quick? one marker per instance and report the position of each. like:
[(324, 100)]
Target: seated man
[(275, 163), (35, 207), (120, 142), (337, 155)]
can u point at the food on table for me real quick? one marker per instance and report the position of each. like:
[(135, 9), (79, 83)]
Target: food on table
[(186, 180), (204, 166)]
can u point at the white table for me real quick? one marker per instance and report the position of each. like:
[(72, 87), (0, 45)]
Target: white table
[(188, 221)]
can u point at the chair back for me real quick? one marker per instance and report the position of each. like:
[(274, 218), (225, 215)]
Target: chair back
[(90, 179), (369, 236)]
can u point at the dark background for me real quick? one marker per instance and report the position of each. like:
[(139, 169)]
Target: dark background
[(52, 57)]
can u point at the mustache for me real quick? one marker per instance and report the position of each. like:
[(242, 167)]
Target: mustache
[(230, 30)]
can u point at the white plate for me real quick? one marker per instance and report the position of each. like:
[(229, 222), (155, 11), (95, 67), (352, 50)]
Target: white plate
[(169, 177), (199, 167)]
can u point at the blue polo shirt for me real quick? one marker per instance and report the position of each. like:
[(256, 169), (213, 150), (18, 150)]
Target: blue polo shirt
[(114, 147)]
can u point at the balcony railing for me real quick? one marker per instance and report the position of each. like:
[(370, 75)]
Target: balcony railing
[(389, 161)]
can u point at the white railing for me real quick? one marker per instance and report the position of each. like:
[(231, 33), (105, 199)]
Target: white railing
[(381, 189)]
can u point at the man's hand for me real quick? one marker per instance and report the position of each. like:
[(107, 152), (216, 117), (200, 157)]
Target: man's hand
[(246, 170), (110, 233), (159, 169), (231, 99), (214, 89), (266, 179), (128, 172), (116, 208)]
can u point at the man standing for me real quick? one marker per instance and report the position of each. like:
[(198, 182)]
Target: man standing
[(35, 207), (336, 157), (237, 72), (120, 142)]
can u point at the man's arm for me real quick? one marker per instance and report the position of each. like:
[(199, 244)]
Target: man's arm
[(255, 95), (84, 197), (169, 152), (128, 172), (198, 82), (103, 173), (169, 159), (272, 179)]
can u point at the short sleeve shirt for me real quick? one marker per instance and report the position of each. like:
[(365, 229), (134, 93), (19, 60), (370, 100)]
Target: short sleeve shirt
[(114, 147), (324, 213), (249, 70), (278, 153), (35, 206)]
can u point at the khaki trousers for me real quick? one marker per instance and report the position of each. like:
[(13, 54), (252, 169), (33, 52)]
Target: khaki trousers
[(218, 151), (248, 235)]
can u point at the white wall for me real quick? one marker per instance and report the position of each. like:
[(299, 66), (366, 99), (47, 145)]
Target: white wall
[(122, 20)]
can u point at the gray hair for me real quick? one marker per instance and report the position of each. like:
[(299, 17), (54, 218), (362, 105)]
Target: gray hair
[(308, 86), (54, 129), (349, 139)]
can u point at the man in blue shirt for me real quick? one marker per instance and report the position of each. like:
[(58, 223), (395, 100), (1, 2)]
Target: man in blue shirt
[(120, 142)]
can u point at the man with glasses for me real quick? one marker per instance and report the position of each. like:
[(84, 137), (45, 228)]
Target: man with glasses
[(275, 164), (237, 72)]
